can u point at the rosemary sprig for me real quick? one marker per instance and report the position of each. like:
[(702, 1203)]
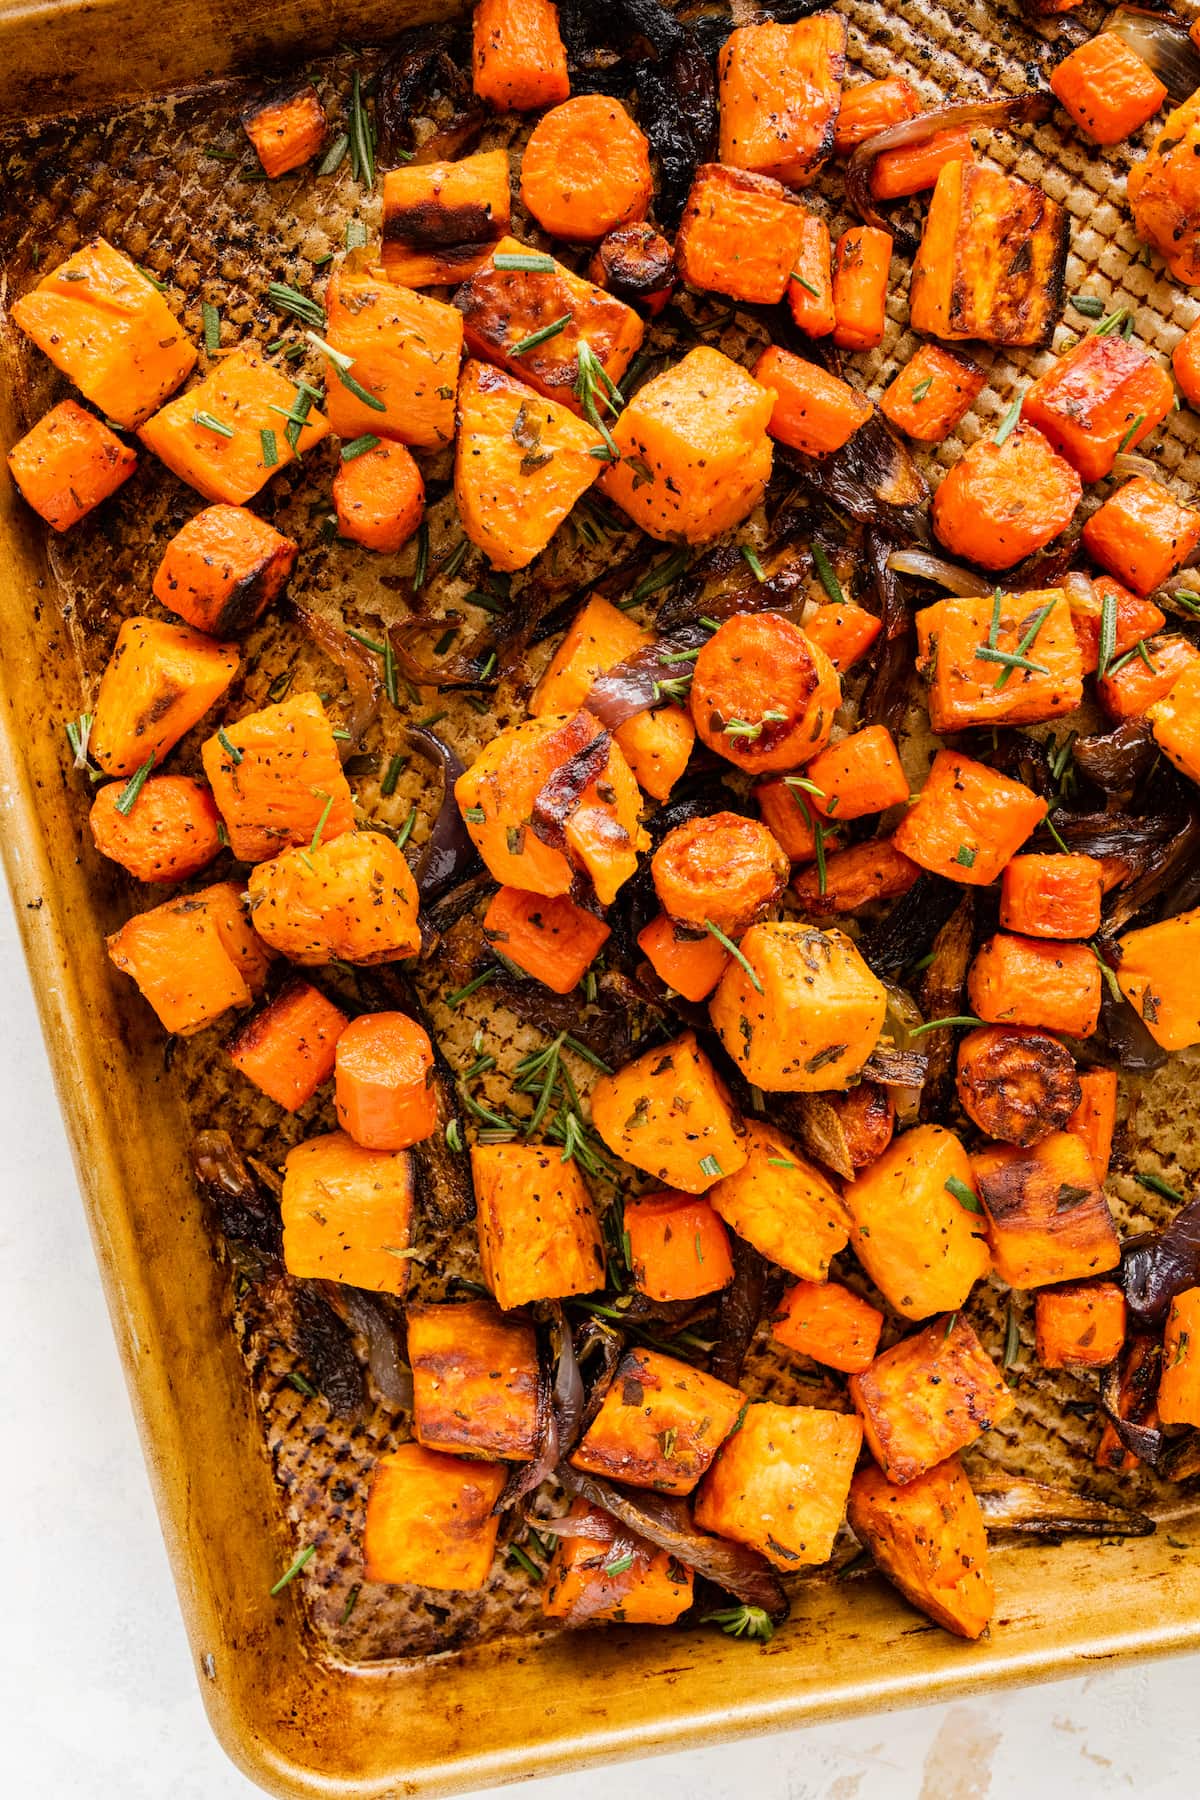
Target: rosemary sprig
[(942, 1024), (826, 576), (359, 446), (752, 559), (342, 365), (740, 956), (1008, 423), (362, 135), (1108, 634), (209, 422), (594, 389), (540, 337), (662, 575), (742, 1622), (127, 798), (532, 262), (290, 300), (210, 320), (305, 1556)]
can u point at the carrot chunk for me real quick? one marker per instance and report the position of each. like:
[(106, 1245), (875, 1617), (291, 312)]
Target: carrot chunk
[(1175, 720), (912, 168), (928, 1397), (788, 812), (519, 62), (691, 962), (929, 1538), (353, 899), (783, 1205), (1107, 88), (222, 570), (192, 958), (159, 681), (594, 1580), (845, 632), (586, 169), (1134, 619), (171, 831), (67, 463), (1047, 1218), (347, 1213), (287, 1050), (992, 259), (1142, 534), (853, 878), (277, 779), (1140, 682), (915, 1224), (1001, 502), (380, 497), (637, 264), (107, 327), (385, 1093), (960, 647), (814, 411), (539, 1238), (722, 870), (1159, 975), (1052, 896), (780, 91), (475, 1380), (1162, 193), (860, 775), (810, 289), (661, 1424), (1017, 1085), (763, 694), (678, 1247), (669, 1113), (1185, 360), (287, 128), (552, 939), (441, 220), (1103, 396), (1080, 1325), (932, 394), (1030, 981), (862, 258), (1095, 1118), (829, 1323), (871, 107), (405, 350), (1179, 1388), (431, 1520), (968, 820), (656, 745), (780, 1482), (739, 235), (212, 436)]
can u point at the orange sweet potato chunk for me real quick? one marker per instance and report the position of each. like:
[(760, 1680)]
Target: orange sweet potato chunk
[(1047, 1218), (1107, 88), (660, 1425), (1142, 534), (783, 1205), (669, 1113), (192, 958), (287, 128), (992, 259), (552, 939), (1179, 1388), (276, 775), (929, 1538), (441, 219), (539, 1237), (689, 960), (288, 1049), (406, 349), (968, 820), (352, 898), (1159, 974), (780, 93), (475, 1380), (1134, 617), (967, 688), (68, 463), (1095, 1118), (829, 1323), (347, 1213), (379, 496), (740, 235), (1036, 981), (594, 1580), (1052, 896), (814, 412), (678, 1246), (1102, 396), (159, 681), (1162, 193), (171, 831), (780, 1482), (431, 1520), (222, 570), (928, 1397), (1175, 721), (916, 1225), (1129, 690), (1080, 1325)]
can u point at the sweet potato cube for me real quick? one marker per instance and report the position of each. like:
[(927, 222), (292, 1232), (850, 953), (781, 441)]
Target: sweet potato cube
[(352, 898), (287, 128), (780, 91), (1052, 896), (991, 260), (968, 820), (929, 1538), (967, 688), (475, 1380), (1080, 1325), (1179, 1388), (870, 107), (695, 455), (661, 1424), (678, 1247), (1107, 88), (192, 958), (739, 235), (441, 219), (860, 775), (1094, 1119), (222, 570), (1002, 501), (830, 1323), (1159, 974), (1047, 1217), (347, 1213), (1175, 721), (814, 412), (1034, 981), (212, 436), (171, 832), (916, 1223), (783, 1205), (107, 327), (539, 1238), (1161, 190), (668, 1112), (288, 1049), (932, 394), (276, 776), (430, 1520), (689, 961), (594, 1579), (406, 349), (68, 463), (552, 939), (519, 62), (810, 289), (159, 681), (521, 463), (928, 1397), (656, 745), (1131, 689), (1134, 619), (1142, 534), (781, 1481), (1104, 395), (845, 632)]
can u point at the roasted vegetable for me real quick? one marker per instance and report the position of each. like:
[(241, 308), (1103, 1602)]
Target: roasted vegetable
[(1052, 896), (1017, 1085), (814, 411), (380, 497), (763, 694), (1164, 195), (287, 128), (991, 260), (787, 811), (1098, 400), (869, 107), (431, 1519), (602, 1572), (518, 59), (171, 831), (913, 168), (1128, 692), (287, 1050), (159, 681), (1008, 659), (347, 1213), (781, 1204), (539, 1238), (222, 570), (386, 1097), (780, 91), (1080, 1325), (442, 219), (1094, 1119), (1133, 619), (915, 1225), (862, 258), (404, 351), (1003, 500), (678, 1247), (1047, 1218), (193, 958), (845, 632), (928, 1397), (1032, 981), (475, 1380), (780, 1482), (1185, 360), (586, 169), (1142, 534), (1158, 975), (1108, 90), (669, 1113), (1174, 720), (353, 898), (739, 235), (661, 1424), (860, 775), (810, 289), (829, 1323), (277, 779), (932, 393), (929, 1538), (968, 820), (553, 940), (637, 264), (723, 870), (1179, 1387), (68, 463), (687, 960)]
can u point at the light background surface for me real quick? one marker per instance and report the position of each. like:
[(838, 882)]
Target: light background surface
[(97, 1696)]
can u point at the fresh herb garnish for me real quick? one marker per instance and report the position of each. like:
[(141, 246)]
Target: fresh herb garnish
[(1088, 304), (533, 262), (728, 944), (826, 576), (291, 1573), (342, 365), (710, 1166), (921, 389), (1108, 634), (595, 389), (290, 300), (966, 1196), (270, 448), (1157, 1185), (335, 155), (1131, 433), (211, 322), (752, 559), (362, 135), (359, 446), (540, 337), (127, 798), (942, 1024), (742, 1622), (210, 423), (229, 747), (321, 822), (810, 286), (1008, 423)]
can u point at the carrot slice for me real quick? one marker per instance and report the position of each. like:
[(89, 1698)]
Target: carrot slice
[(386, 1099)]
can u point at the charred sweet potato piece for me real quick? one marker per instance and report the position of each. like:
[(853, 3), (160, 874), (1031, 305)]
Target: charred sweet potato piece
[(1104, 395), (860, 775), (637, 264), (913, 168), (829, 1323), (783, 1205), (845, 632), (555, 795), (385, 1094), (1107, 88), (1134, 619), (992, 258), (870, 107), (814, 411), (287, 1050), (915, 1224), (780, 91), (1017, 1085), (518, 62), (107, 327), (669, 1113), (723, 869), (353, 898), (932, 393), (1179, 1388), (1175, 720), (695, 454), (193, 958), (597, 1579), (968, 820), (1080, 1325), (347, 1213), (809, 1018), (1001, 502), (810, 289), (405, 351), (968, 685), (521, 463), (1033, 981), (739, 235), (1052, 896), (928, 1397), (1095, 1118), (689, 961), (431, 1519), (67, 463), (1131, 688), (159, 681), (552, 939), (661, 1424), (929, 1538), (539, 1238), (656, 745), (1160, 977), (866, 1118), (862, 258), (222, 570), (287, 128), (276, 778), (586, 169), (379, 497), (1047, 1217), (171, 831), (1142, 534), (475, 1380), (678, 1247), (781, 1481), (763, 694), (213, 436), (441, 219), (1163, 193)]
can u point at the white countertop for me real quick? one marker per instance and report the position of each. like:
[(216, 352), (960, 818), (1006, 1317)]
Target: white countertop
[(99, 1701)]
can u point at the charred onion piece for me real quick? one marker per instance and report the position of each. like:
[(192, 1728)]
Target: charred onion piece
[(523, 1478), (1117, 760), (1180, 1461), (427, 76), (922, 565), (739, 1311), (872, 477), (632, 686), (896, 1068), (1158, 1265), (245, 1211), (453, 674), (1131, 1385), (360, 666), (1010, 1503), (368, 1316), (1128, 1038), (886, 699), (449, 856), (908, 930), (942, 996)]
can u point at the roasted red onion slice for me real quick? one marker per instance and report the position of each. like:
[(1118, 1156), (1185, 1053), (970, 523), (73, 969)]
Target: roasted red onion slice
[(360, 666), (923, 566)]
